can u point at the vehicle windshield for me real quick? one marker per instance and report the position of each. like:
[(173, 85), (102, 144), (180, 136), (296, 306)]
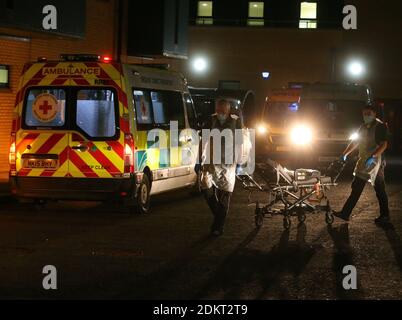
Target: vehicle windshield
[(279, 113), (334, 114)]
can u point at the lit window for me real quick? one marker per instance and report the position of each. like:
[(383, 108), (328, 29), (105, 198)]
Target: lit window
[(255, 14), (4, 79), (204, 14), (308, 24), (308, 15)]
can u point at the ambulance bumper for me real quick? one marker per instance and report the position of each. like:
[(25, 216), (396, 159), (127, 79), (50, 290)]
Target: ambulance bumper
[(72, 188)]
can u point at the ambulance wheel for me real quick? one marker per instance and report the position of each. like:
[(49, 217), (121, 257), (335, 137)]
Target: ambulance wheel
[(329, 218), (287, 223), (143, 200)]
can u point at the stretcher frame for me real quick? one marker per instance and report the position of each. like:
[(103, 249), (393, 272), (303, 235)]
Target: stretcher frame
[(288, 197)]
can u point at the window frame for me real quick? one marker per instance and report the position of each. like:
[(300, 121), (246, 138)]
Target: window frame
[(66, 125), (205, 20), (5, 85), (74, 112), (153, 125), (308, 21), (254, 21), (71, 111)]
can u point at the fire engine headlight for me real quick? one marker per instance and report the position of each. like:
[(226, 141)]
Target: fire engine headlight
[(301, 135), (354, 136)]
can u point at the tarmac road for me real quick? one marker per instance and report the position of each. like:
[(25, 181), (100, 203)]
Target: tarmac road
[(103, 252)]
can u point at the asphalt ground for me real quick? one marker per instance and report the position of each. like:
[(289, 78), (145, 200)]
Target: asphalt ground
[(104, 252)]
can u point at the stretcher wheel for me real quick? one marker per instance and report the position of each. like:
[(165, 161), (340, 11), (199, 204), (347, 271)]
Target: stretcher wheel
[(329, 218), (287, 223), (259, 220)]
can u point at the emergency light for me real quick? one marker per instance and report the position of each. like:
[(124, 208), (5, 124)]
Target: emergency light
[(80, 57)]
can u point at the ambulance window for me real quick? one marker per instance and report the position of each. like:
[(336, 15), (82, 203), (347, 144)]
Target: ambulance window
[(174, 108), (96, 113), (45, 108), (158, 105), (142, 102)]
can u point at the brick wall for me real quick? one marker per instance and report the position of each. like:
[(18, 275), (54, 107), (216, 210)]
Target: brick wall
[(99, 39)]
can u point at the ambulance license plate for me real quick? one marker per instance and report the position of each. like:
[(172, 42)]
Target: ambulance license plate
[(49, 164)]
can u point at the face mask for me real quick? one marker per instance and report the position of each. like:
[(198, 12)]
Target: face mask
[(368, 119), (222, 118)]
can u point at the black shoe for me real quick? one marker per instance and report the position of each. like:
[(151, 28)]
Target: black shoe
[(214, 226), (217, 233), (382, 220), (341, 216)]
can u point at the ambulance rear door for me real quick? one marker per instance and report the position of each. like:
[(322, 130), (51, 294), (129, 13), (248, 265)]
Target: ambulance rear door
[(42, 142), (95, 147)]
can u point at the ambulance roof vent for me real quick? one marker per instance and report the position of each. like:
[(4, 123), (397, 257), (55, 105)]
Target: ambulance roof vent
[(80, 57)]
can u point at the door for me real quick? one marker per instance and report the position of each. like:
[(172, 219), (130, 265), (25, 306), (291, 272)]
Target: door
[(95, 150), (42, 144)]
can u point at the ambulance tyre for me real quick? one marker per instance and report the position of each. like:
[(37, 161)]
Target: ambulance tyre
[(143, 199)]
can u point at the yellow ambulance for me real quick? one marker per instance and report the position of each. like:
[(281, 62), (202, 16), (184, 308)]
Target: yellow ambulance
[(88, 128)]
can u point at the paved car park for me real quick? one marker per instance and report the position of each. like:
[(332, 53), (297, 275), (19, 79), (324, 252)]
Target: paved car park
[(101, 251)]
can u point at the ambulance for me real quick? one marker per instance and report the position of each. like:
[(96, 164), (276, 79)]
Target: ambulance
[(89, 128), (279, 112)]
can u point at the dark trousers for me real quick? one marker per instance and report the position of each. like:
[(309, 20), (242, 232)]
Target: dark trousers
[(357, 189), (219, 203)]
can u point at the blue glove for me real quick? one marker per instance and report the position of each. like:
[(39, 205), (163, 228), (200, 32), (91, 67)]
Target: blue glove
[(197, 168), (371, 162), (238, 169), (343, 158)]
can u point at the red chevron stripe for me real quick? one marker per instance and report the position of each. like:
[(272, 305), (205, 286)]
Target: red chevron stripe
[(103, 160), (29, 139), (24, 172), (103, 75), (117, 147), (63, 157), (81, 81), (50, 143), (77, 161), (21, 93), (59, 81)]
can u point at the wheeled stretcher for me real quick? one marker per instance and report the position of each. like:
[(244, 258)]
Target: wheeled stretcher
[(294, 193)]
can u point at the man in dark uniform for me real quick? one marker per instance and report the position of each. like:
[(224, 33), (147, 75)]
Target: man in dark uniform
[(372, 142), (218, 179)]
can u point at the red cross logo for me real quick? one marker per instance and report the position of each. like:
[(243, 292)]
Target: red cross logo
[(45, 108), (143, 109)]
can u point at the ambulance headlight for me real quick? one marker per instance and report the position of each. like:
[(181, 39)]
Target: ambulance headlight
[(354, 136), (301, 135), (262, 129)]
